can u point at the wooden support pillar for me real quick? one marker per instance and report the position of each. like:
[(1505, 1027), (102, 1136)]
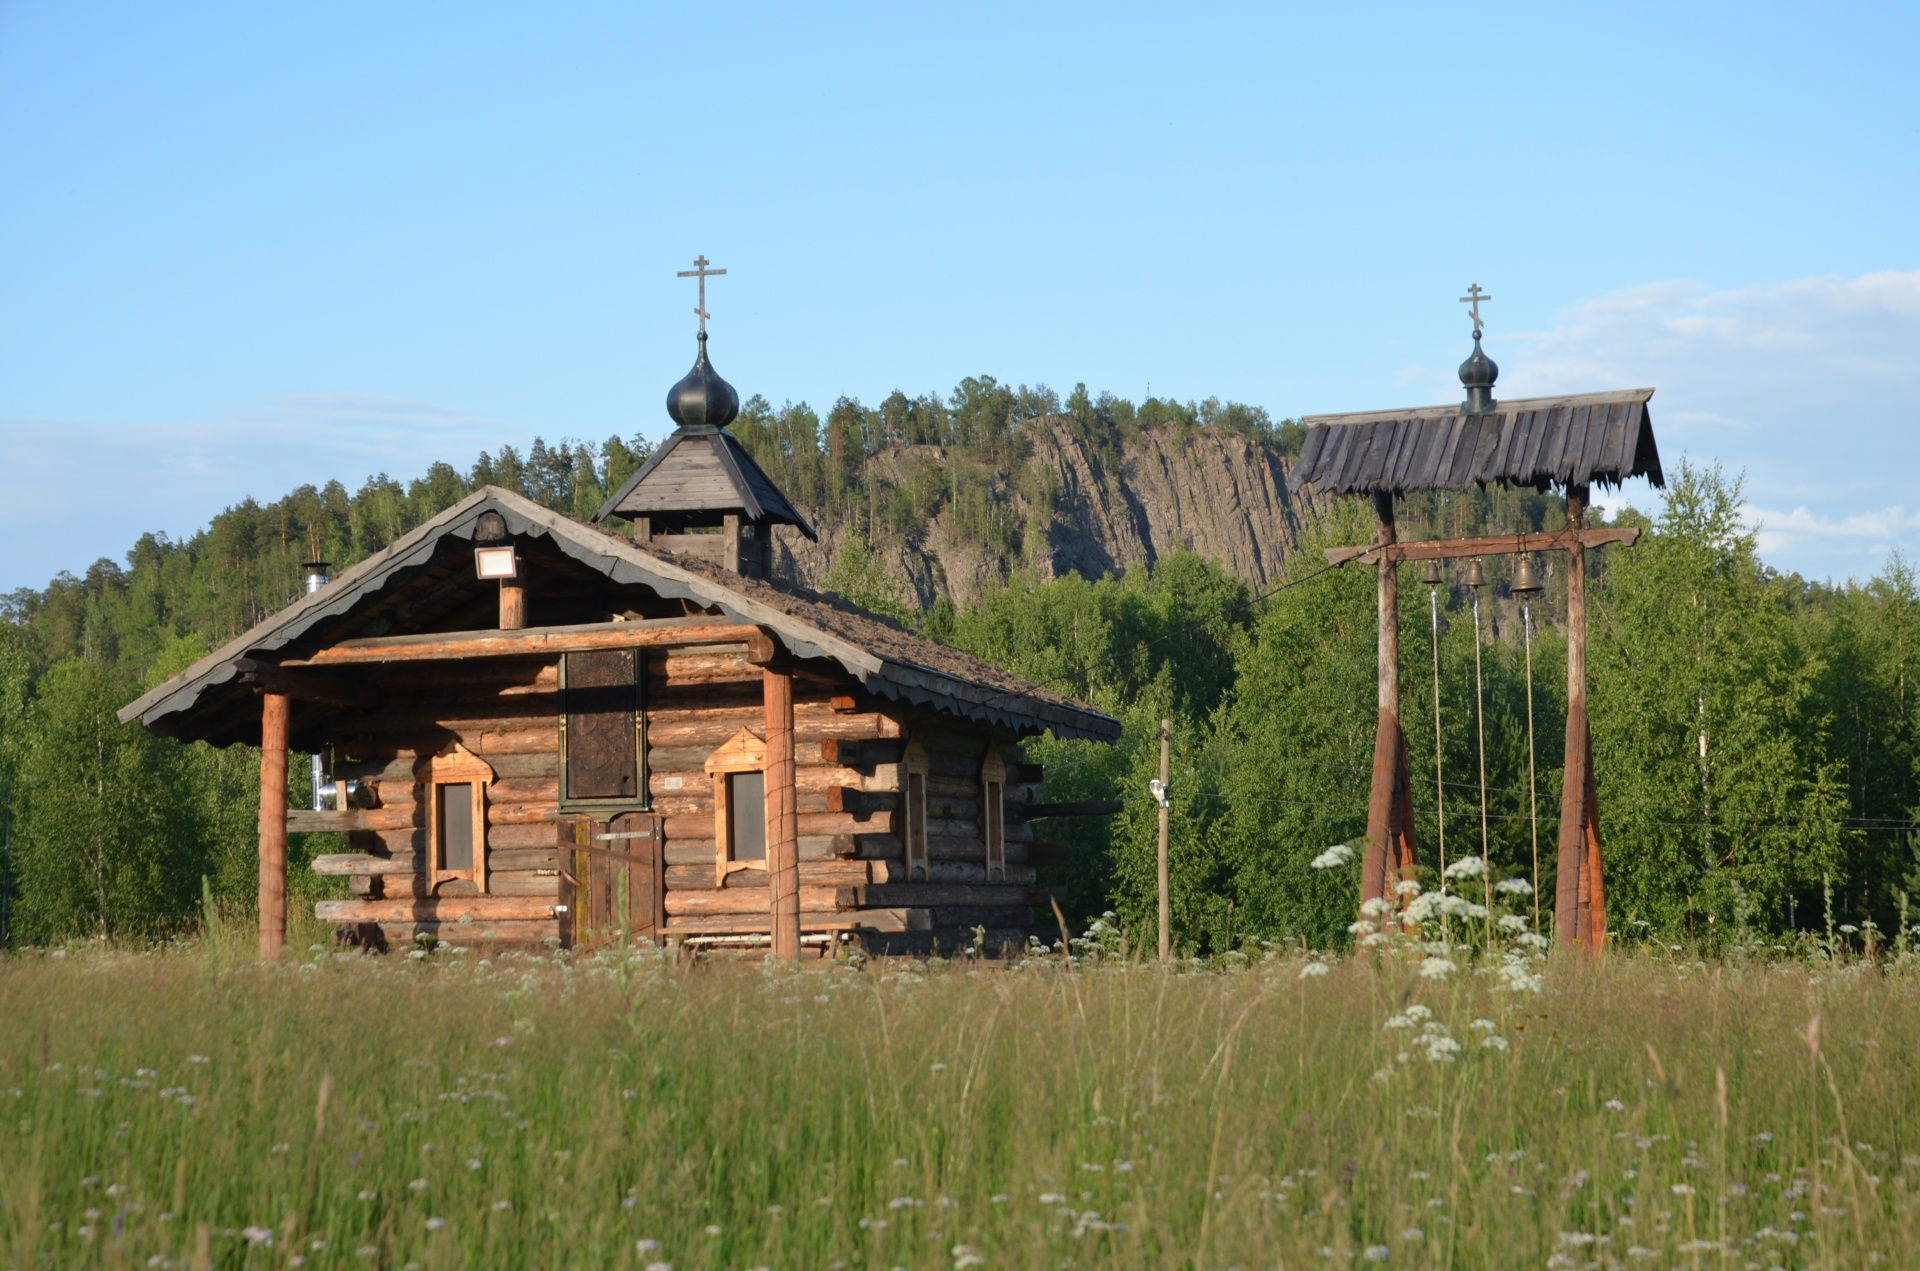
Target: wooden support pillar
[(513, 604), (1390, 840), (1579, 901), (783, 823), (274, 712), (730, 543)]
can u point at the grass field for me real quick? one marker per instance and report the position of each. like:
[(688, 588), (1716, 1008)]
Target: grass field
[(184, 1108)]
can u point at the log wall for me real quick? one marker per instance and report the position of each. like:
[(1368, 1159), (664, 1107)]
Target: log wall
[(543, 886)]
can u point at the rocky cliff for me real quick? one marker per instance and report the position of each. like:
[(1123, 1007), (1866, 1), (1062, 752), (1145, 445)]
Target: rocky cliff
[(1088, 509)]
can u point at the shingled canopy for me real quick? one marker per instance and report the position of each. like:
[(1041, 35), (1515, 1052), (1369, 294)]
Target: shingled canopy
[(703, 470), (1591, 438), (424, 583)]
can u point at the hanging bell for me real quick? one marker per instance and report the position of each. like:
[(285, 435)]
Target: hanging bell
[(1524, 579), (1476, 577), (1431, 575)]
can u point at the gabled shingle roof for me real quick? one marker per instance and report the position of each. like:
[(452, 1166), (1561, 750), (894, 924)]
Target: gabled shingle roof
[(1601, 438), (879, 655)]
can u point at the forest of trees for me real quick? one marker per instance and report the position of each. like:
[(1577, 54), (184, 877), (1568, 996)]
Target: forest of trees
[(1755, 740)]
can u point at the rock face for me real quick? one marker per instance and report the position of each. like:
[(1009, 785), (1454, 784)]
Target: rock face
[(1095, 511)]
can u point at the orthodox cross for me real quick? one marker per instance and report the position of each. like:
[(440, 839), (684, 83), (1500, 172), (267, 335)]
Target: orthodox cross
[(1473, 297), (701, 272)]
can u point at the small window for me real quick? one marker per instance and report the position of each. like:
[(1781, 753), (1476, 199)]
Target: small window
[(747, 830), (457, 818), (913, 836), (739, 777), (993, 808)]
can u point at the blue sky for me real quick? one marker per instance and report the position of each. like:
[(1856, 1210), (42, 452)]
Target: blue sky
[(246, 246)]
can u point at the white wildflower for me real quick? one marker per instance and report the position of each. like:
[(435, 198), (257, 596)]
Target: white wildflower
[(1334, 857), (1466, 867), (1436, 968), (1376, 907), (1312, 969), (1514, 887), (1483, 1026), (1406, 887), (1494, 1041), (1512, 924)]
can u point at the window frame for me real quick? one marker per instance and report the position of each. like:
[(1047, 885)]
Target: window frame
[(743, 752), (458, 766), (993, 812), (607, 808), (913, 805)]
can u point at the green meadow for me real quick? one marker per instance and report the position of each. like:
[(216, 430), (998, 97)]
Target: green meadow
[(185, 1107)]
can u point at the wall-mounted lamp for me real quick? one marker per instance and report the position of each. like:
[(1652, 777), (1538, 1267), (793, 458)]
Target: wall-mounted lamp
[(496, 562)]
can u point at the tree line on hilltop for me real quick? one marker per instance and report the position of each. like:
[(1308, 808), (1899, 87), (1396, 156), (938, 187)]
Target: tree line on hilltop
[(1754, 732)]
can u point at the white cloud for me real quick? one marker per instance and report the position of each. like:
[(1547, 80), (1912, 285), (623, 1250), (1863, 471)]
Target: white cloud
[(1810, 387)]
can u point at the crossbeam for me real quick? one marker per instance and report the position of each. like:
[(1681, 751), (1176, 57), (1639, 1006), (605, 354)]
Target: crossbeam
[(1490, 545), (542, 642), (304, 685)]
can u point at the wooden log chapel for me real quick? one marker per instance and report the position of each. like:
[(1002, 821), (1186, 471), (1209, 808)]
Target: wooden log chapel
[(536, 729)]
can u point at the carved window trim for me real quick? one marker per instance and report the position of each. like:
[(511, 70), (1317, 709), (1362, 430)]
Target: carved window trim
[(993, 812), (914, 772), (606, 808), (743, 752), (458, 766)]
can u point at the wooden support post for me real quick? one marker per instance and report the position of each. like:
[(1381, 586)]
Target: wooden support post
[(730, 543), (783, 833), (275, 710), (1390, 842), (513, 604), (1166, 902), (1578, 892)]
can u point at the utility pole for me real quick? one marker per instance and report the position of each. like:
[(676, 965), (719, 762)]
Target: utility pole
[(1166, 774)]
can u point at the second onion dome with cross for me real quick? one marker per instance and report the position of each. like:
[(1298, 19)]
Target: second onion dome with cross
[(701, 494)]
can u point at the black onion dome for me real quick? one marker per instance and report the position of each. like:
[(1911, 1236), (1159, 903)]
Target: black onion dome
[(703, 402), (1477, 374)]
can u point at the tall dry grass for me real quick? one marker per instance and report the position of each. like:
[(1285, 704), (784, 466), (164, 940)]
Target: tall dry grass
[(185, 1108)]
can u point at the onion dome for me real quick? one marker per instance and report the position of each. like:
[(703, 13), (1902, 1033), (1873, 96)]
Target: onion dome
[(702, 401), (1478, 373)]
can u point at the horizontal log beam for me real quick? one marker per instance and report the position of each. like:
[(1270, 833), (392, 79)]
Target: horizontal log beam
[(305, 686), (481, 909), (533, 642), (362, 864), (1490, 545), (886, 920)]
